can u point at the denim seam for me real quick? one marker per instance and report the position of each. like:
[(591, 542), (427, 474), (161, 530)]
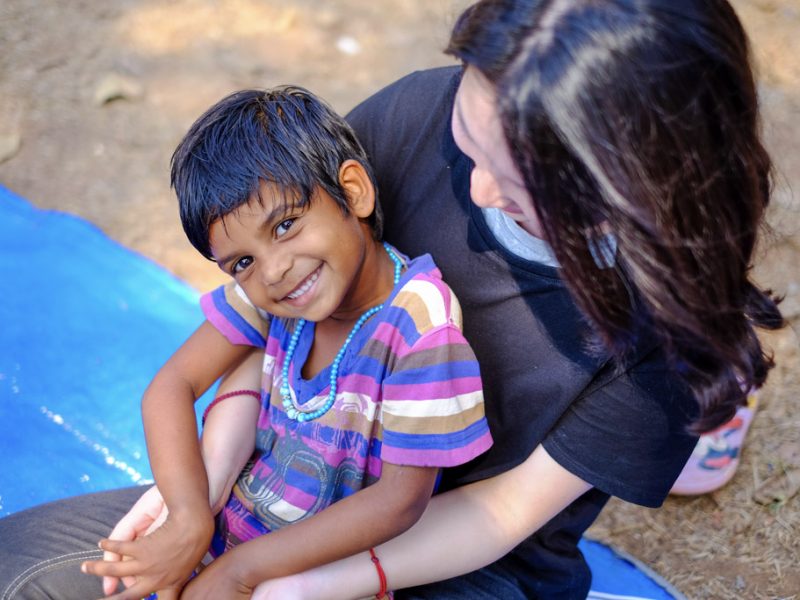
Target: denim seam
[(32, 571)]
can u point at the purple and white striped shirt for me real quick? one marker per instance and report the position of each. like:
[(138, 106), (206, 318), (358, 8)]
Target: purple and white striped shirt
[(409, 393)]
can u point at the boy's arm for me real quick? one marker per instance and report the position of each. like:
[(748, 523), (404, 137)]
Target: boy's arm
[(166, 558), (170, 424), (227, 442), (367, 518), (462, 530), (440, 357)]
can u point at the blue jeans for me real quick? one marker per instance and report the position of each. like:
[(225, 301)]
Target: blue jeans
[(41, 548)]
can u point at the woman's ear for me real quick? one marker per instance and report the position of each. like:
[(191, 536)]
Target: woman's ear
[(358, 188)]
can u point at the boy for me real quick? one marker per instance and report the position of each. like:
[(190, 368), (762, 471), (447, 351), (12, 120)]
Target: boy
[(368, 386)]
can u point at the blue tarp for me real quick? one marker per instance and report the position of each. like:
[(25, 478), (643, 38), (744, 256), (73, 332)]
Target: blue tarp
[(84, 325)]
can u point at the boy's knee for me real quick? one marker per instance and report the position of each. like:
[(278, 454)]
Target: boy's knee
[(58, 577)]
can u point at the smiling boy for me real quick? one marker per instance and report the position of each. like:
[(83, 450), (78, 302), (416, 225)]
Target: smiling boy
[(368, 386)]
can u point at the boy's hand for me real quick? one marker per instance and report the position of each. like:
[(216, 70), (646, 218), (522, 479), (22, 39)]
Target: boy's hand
[(160, 561), (219, 581)]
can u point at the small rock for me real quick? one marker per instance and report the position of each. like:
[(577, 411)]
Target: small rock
[(789, 453), (286, 21), (790, 307), (327, 19), (740, 583), (114, 86), (10, 144), (779, 487), (348, 45)]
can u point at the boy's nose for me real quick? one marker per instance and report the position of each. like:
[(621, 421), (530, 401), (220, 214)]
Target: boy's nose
[(274, 269)]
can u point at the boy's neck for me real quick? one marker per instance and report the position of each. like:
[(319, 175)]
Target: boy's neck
[(377, 278), (373, 285)]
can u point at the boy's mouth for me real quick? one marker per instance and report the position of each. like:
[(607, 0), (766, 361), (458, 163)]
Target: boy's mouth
[(306, 285)]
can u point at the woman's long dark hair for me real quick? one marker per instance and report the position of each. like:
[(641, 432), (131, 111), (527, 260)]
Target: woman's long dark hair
[(640, 117)]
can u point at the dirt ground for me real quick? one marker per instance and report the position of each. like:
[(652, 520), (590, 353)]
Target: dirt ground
[(95, 95)]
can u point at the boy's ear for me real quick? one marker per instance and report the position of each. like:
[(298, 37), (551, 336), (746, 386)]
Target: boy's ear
[(358, 188)]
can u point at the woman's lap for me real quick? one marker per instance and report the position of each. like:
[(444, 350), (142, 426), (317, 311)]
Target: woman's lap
[(489, 583), (41, 548)]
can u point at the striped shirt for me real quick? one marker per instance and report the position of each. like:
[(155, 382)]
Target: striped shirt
[(408, 392)]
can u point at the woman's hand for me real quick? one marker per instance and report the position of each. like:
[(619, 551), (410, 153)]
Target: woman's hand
[(143, 518), (161, 561)]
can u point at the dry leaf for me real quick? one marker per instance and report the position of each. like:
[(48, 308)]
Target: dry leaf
[(779, 487), (9, 146), (117, 87)]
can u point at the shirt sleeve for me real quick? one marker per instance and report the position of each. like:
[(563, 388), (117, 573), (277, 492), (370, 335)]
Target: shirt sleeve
[(229, 310), (629, 438), (432, 408)]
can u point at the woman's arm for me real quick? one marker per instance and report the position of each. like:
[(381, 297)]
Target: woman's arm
[(367, 518), (229, 432), (461, 530)]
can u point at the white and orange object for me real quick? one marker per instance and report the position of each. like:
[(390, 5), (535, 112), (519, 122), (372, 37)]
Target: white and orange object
[(716, 456)]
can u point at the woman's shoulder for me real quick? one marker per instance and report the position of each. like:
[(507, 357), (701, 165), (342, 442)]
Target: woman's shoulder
[(413, 90), (388, 119), (627, 433)]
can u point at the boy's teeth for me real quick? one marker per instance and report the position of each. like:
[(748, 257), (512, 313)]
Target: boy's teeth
[(305, 287)]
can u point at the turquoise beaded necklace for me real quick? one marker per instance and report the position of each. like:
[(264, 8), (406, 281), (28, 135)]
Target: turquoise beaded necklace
[(293, 410)]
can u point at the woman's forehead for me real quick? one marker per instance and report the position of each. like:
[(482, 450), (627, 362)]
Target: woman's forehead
[(476, 99)]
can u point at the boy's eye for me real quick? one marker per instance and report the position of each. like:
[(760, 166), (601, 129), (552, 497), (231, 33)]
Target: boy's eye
[(284, 226), (241, 264)]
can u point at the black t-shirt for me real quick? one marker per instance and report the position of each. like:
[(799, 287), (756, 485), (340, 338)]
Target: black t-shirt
[(621, 430)]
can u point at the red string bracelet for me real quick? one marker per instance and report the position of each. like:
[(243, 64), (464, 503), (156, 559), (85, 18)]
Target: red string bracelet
[(218, 399), (381, 575)]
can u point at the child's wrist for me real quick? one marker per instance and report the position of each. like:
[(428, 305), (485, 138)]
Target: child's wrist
[(195, 519), (244, 566)]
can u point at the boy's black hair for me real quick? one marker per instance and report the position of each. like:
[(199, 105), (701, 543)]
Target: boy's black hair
[(284, 135)]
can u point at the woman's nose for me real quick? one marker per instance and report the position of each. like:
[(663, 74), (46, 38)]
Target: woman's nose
[(484, 190)]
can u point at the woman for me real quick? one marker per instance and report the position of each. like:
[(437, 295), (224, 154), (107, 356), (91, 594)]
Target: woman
[(624, 135)]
